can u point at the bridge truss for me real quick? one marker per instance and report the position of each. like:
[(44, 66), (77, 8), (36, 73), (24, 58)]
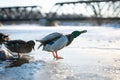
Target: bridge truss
[(20, 13), (86, 9)]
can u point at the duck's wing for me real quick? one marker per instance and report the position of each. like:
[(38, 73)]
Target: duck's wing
[(51, 37), (14, 43)]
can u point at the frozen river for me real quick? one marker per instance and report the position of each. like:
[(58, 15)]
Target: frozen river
[(94, 55)]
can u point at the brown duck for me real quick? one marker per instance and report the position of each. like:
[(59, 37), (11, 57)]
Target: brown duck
[(20, 46)]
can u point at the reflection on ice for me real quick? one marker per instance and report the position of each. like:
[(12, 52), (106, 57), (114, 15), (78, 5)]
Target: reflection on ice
[(55, 71)]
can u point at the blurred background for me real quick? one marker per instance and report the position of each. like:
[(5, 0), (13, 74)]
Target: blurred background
[(62, 12)]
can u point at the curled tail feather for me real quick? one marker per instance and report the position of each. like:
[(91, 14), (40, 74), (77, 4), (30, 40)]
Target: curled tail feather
[(39, 46)]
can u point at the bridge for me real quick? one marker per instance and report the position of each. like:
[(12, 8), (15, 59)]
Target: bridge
[(98, 10), (86, 10), (21, 13)]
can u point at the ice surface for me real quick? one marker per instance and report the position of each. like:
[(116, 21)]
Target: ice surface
[(94, 55)]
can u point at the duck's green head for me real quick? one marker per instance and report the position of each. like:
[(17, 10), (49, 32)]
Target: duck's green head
[(77, 33)]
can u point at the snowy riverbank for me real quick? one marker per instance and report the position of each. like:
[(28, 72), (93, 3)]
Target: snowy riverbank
[(92, 56)]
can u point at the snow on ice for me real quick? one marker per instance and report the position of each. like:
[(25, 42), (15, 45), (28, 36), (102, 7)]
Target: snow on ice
[(94, 55)]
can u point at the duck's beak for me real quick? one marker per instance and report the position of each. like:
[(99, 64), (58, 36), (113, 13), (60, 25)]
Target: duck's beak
[(84, 31)]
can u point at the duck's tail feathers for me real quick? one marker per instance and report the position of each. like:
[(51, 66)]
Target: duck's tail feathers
[(39, 46), (37, 40)]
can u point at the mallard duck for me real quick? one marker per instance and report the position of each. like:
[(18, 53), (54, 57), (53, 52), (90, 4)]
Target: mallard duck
[(3, 38), (56, 41), (20, 46)]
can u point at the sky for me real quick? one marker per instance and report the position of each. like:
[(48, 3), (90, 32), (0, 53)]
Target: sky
[(45, 4)]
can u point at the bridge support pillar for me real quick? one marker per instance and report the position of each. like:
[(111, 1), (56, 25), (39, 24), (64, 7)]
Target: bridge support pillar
[(46, 22), (52, 23)]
